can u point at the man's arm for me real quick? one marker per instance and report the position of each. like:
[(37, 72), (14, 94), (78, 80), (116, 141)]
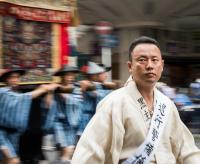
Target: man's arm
[(100, 139), (44, 89), (188, 152), (94, 141)]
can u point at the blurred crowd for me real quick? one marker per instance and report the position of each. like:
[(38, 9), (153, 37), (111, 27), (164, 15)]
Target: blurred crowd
[(182, 97), (65, 107)]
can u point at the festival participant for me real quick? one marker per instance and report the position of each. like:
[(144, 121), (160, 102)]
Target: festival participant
[(68, 107), (137, 124), (97, 75), (14, 113)]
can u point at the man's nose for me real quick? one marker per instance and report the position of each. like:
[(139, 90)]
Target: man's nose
[(149, 64)]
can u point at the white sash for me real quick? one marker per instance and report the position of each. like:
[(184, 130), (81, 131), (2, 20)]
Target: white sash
[(146, 150)]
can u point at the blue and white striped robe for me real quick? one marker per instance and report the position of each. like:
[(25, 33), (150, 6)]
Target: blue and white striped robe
[(68, 118), (91, 99), (15, 109), (49, 116), (14, 114)]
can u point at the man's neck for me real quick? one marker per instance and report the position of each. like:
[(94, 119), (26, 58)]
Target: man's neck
[(14, 88), (67, 83), (148, 94)]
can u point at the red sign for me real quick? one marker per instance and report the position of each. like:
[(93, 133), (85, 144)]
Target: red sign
[(28, 13), (103, 27)]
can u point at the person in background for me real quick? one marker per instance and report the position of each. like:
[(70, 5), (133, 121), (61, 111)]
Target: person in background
[(180, 99), (137, 123), (14, 113), (97, 76), (194, 90), (68, 113)]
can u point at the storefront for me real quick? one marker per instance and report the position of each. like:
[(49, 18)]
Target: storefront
[(34, 36)]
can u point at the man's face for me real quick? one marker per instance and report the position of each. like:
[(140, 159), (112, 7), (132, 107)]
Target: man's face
[(102, 77), (147, 65), (13, 79), (69, 77)]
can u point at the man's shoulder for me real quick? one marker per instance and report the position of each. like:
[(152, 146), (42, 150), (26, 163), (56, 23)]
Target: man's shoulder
[(115, 96), (112, 101), (168, 102), (117, 93), (163, 96), (4, 89)]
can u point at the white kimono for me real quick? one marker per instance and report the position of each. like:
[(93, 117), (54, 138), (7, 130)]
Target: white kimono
[(119, 127)]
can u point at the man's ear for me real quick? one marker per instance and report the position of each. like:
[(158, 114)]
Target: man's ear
[(129, 63), (163, 63)]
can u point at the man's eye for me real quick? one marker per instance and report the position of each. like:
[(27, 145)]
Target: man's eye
[(142, 60), (155, 60)]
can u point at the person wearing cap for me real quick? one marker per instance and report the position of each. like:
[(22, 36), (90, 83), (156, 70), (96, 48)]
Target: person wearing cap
[(137, 124), (67, 118), (15, 108), (97, 75)]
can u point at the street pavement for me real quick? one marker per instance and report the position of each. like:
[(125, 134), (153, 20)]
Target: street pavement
[(51, 155)]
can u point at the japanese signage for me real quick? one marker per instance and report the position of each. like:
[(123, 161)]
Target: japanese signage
[(61, 5), (36, 14), (157, 123)]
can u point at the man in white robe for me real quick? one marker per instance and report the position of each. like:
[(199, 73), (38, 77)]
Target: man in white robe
[(125, 117)]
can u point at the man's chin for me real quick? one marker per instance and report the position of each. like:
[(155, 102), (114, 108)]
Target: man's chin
[(151, 81), (147, 82), (13, 85)]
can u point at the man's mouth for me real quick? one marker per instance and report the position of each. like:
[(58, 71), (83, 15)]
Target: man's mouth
[(150, 74)]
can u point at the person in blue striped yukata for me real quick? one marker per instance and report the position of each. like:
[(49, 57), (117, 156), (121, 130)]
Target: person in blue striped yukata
[(14, 113), (67, 107), (97, 75)]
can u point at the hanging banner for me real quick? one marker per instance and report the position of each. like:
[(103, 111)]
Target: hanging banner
[(64, 43), (35, 39), (63, 5), (1, 19), (27, 45), (35, 14)]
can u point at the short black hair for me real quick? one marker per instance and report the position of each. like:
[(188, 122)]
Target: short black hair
[(141, 40)]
